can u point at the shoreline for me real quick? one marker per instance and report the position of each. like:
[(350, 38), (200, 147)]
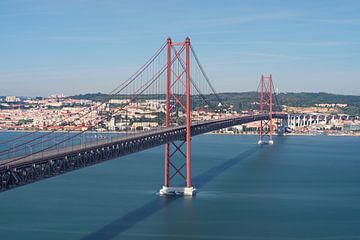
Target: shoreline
[(212, 133), (291, 134), (62, 131)]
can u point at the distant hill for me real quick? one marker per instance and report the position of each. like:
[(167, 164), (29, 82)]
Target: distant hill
[(92, 96), (309, 99), (241, 100)]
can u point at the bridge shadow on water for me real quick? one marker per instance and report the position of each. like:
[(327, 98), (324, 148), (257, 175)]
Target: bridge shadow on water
[(129, 220)]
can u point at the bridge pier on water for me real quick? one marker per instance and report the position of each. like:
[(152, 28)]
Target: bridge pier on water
[(266, 107), (174, 100)]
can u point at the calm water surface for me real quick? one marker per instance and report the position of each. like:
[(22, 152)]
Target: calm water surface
[(299, 188)]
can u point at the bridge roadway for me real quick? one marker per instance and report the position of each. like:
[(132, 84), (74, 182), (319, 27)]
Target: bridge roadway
[(18, 171)]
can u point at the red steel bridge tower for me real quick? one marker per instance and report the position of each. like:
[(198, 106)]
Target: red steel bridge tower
[(178, 111), (266, 107)]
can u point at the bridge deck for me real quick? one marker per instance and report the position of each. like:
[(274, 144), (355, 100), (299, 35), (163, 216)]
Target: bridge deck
[(75, 148), (23, 170)]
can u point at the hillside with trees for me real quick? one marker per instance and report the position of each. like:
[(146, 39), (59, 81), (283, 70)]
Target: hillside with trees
[(244, 100)]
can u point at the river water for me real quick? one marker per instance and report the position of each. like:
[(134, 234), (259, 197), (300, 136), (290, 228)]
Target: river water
[(302, 187)]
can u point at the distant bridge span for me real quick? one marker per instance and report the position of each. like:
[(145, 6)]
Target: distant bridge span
[(16, 172)]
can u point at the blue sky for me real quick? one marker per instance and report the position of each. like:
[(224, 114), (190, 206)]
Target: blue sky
[(79, 46)]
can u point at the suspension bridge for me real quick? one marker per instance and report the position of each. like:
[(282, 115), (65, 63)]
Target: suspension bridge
[(185, 104)]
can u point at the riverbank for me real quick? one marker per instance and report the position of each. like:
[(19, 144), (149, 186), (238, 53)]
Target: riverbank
[(62, 131), (290, 134), (213, 133)]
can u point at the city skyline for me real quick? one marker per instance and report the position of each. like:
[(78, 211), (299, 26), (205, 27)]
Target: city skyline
[(75, 47)]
